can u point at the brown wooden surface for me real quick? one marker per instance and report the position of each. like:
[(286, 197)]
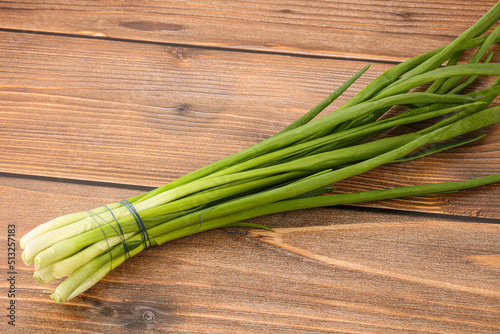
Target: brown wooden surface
[(391, 30), (102, 100)]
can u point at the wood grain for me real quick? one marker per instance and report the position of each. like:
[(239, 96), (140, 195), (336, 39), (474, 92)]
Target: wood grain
[(178, 108), (144, 114), (362, 29), (322, 271), (103, 100)]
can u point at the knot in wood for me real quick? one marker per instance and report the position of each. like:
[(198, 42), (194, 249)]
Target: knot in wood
[(148, 316), (405, 15)]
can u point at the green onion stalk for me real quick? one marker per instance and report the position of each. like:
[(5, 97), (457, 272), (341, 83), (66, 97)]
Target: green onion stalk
[(294, 169)]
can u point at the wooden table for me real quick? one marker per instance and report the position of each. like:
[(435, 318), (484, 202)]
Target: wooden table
[(102, 100)]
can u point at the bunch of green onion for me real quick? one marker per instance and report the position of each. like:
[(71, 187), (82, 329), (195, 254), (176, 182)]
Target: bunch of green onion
[(291, 170)]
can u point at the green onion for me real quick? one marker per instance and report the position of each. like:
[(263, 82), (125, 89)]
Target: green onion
[(292, 170)]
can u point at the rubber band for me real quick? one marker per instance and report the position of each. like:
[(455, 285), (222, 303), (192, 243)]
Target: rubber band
[(142, 228), (120, 233), (122, 236), (92, 215)]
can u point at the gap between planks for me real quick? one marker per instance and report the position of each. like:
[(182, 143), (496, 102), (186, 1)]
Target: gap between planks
[(210, 48)]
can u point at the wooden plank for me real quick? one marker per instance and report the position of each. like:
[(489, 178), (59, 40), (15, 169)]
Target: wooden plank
[(323, 271), (144, 114), (66, 99), (366, 29)]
